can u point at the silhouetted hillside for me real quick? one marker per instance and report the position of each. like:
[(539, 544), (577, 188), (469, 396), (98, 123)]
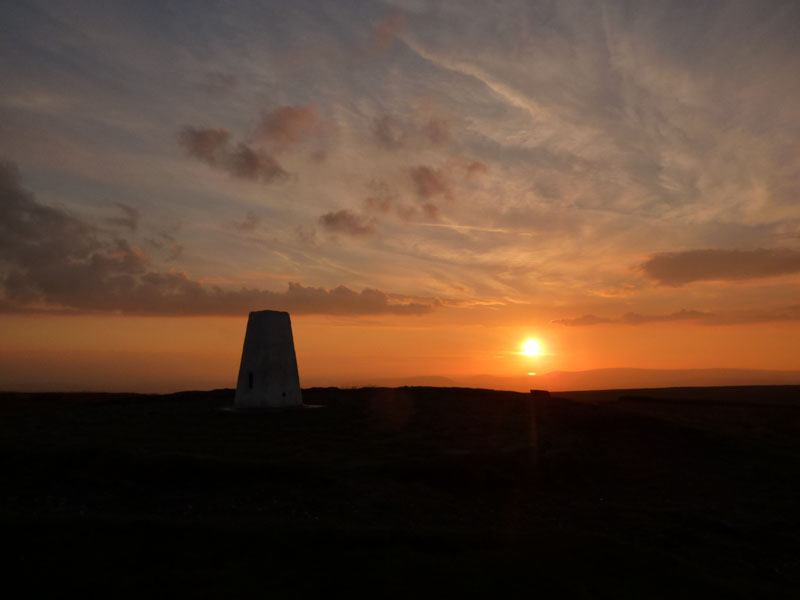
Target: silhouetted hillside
[(402, 492)]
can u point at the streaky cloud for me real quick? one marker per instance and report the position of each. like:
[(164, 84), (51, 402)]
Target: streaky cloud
[(728, 317), (389, 132), (675, 269)]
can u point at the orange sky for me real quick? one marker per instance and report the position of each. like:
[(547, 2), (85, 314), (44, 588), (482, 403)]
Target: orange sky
[(422, 185), (170, 354)]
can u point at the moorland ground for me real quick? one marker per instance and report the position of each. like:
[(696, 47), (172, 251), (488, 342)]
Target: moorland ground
[(405, 491)]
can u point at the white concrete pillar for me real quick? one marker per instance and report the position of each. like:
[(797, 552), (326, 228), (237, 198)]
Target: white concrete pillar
[(268, 372)]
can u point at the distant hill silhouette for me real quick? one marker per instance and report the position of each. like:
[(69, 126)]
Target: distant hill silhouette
[(600, 379)]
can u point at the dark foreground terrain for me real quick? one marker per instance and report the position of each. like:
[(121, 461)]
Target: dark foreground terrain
[(405, 492)]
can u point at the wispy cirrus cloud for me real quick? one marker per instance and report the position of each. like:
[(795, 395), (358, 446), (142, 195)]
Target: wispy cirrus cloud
[(129, 217), (217, 83), (389, 132), (387, 30), (250, 222), (615, 127)]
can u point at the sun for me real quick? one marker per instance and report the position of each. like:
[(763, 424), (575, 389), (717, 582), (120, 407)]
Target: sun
[(531, 348)]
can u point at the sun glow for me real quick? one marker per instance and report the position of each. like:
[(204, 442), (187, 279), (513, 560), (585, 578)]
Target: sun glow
[(531, 348)]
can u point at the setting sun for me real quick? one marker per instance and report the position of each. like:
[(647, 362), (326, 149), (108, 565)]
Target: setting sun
[(531, 348)]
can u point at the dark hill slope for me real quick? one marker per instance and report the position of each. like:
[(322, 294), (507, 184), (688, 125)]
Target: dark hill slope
[(391, 491)]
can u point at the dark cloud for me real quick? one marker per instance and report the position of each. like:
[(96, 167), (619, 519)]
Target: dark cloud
[(247, 163), (47, 253), (731, 317), (287, 126), (207, 145), (389, 132), (279, 130), (129, 218), (52, 261), (166, 245), (429, 182), (212, 146), (347, 222), (344, 301), (678, 268)]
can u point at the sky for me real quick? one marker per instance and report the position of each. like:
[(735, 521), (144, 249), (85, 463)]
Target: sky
[(423, 185)]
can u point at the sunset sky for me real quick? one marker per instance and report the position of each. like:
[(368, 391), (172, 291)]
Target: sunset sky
[(423, 185)]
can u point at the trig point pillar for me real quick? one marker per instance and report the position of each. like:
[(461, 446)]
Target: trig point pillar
[(268, 372)]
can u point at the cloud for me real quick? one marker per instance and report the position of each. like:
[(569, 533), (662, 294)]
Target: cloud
[(679, 268), (407, 212), (166, 245), (250, 222), (387, 31), (729, 317), (389, 132), (212, 147), (344, 301), (129, 218), (207, 145), (288, 126), (771, 315), (217, 83), (584, 320), (278, 131), (476, 168), (307, 235), (379, 204), (633, 318), (429, 182), (431, 210), (247, 163), (347, 222), (437, 130), (54, 262), (383, 203), (381, 199)]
